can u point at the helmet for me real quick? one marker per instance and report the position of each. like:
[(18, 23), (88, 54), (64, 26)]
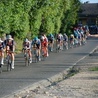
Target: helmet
[(72, 35), (26, 40), (8, 37), (50, 34), (36, 38), (42, 38), (64, 34)]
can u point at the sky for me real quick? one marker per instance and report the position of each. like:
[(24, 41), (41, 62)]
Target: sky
[(90, 1)]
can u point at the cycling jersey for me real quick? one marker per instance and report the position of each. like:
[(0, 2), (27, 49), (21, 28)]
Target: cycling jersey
[(65, 38), (27, 45), (44, 42), (76, 33), (51, 38), (60, 37), (72, 38), (36, 44), (10, 44)]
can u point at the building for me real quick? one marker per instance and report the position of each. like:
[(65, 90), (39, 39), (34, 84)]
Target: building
[(88, 15)]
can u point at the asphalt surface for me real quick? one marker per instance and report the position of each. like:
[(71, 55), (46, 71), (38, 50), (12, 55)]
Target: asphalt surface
[(23, 76)]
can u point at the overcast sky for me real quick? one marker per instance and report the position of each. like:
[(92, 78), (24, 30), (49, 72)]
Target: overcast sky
[(90, 1)]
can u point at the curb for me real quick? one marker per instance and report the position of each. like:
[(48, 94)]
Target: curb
[(93, 51)]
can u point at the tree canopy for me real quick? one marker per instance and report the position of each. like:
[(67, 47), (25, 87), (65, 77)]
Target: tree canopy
[(31, 17)]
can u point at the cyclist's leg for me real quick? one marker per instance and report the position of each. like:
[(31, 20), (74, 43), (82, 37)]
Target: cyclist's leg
[(30, 55), (67, 45), (61, 44), (52, 43), (24, 52), (58, 43), (39, 55), (46, 49), (49, 45), (12, 58), (2, 58)]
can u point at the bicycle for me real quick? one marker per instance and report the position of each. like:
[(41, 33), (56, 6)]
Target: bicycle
[(0, 64), (36, 55), (65, 45), (44, 53), (50, 47), (58, 46), (71, 43), (27, 58), (0, 68), (9, 61)]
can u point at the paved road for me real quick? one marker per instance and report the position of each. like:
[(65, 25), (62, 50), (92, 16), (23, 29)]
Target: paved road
[(23, 76)]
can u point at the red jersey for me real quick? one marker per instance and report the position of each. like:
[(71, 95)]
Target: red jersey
[(44, 43)]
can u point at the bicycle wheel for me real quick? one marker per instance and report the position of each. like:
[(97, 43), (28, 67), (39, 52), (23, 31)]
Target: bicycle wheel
[(58, 48), (36, 56), (9, 68), (65, 46), (0, 68), (27, 60), (43, 55), (50, 48)]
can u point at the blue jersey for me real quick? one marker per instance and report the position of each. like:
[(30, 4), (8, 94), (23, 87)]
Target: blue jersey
[(36, 43)]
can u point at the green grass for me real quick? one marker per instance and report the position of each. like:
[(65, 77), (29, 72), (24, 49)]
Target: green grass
[(94, 69), (18, 48)]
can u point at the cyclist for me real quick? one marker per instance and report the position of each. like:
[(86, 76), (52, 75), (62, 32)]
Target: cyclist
[(2, 46), (82, 35), (27, 47), (71, 40), (51, 41), (36, 44), (60, 41), (44, 45), (10, 48), (65, 40)]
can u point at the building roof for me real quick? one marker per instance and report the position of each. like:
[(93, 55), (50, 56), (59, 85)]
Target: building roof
[(89, 9)]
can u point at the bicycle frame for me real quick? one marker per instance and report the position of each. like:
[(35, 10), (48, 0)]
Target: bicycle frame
[(27, 59), (0, 68), (36, 54), (50, 46), (72, 44), (44, 52), (0, 64), (65, 44), (9, 61), (58, 45)]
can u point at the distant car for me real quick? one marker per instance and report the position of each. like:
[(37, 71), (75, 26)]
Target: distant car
[(93, 29)]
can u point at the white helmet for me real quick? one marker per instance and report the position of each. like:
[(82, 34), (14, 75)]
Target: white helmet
[(8, 37), (26, 40), (72, 35), (42, 38)]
